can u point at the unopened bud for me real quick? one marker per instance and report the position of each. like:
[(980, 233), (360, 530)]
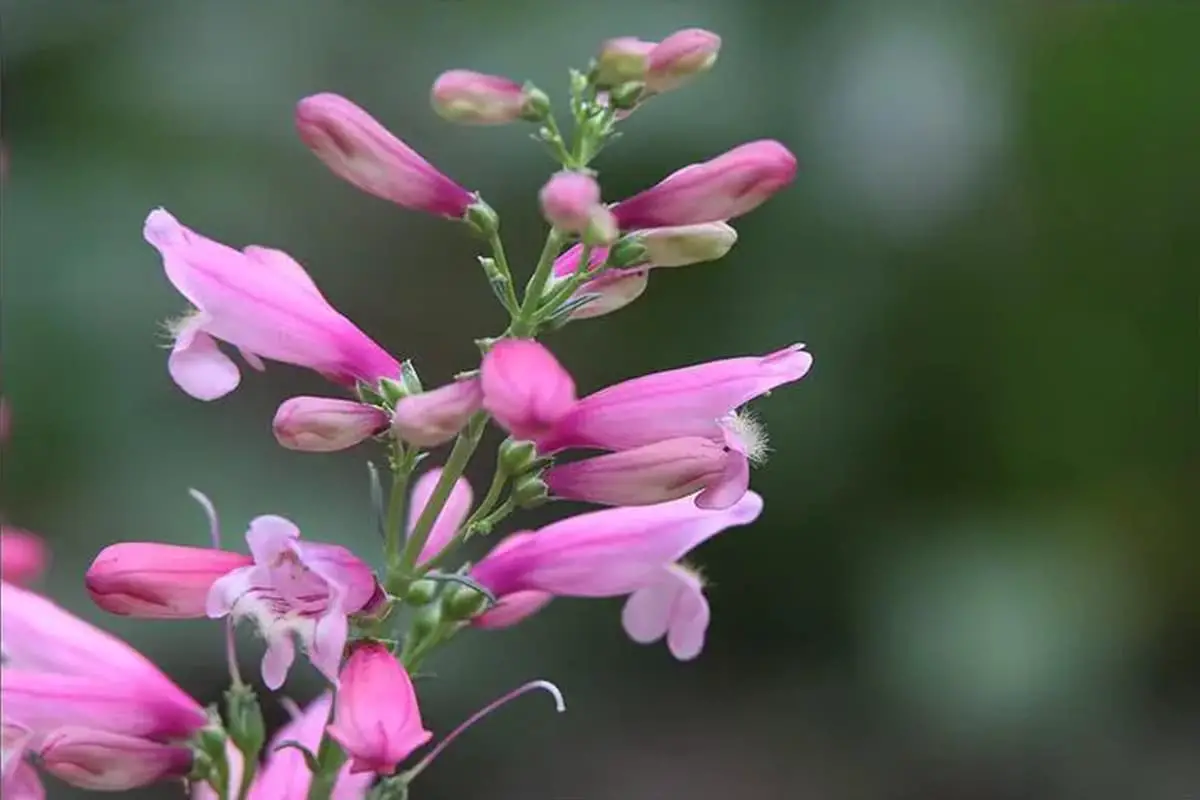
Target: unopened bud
[(680, 57), (325, 424), (568, 200), (246, 728), (516, 456), (601, 229), (391, 391), (426, 621), (409, 377), (687, 244), (435, 417), (530, 491), (464, 602), (620, 60), (420, 593), (473, 98)]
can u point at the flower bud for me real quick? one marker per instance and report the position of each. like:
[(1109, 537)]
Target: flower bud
[(569, 199), (23, 556), (483, 219), (529, 491), (464, 602), (151, 580), (103, 761), (682, 245), (324, 425), (473, 98), (360, 150), (623, 59), (680, 57), (525, 388), (420, 593), (626, 96), (435, 417), (628, 252), (513, 608), (376, 719), (516, 456), (654, 473), (720, 189)]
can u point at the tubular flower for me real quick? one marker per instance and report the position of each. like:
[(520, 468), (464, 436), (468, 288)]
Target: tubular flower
[(260, 301)]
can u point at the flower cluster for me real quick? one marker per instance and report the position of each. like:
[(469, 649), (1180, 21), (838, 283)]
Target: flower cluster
[(667, 456)]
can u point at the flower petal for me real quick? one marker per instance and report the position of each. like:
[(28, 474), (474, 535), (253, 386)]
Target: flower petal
[(198, 366), (278, 659), (452, 515)]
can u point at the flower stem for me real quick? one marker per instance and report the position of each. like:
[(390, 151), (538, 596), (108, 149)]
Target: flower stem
[(523, 325), (402, 466), (497, 246), (460, 455)]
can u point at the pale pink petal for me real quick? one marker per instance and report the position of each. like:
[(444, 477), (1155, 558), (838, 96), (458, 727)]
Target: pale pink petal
[(227, 591), (253, 360), (271, 536), (730, 487), (647, 612), (452, 515), (284, 266), (328, 642), (349, 578), (689, 619), (671, 605), (278, 659), (198, 366)]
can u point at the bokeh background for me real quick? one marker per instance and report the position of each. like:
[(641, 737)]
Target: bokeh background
[(976, 577)]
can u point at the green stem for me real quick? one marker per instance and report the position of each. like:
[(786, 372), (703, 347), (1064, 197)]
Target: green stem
[(249, 768), (402, 466), (523, 324), (565, 156), (498, 255), (499, 481), (460, 455)]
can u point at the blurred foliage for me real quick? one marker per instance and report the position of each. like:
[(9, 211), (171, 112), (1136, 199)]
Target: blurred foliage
[(976, 575)]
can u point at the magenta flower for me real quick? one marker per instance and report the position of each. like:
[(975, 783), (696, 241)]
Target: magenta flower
[(110, 762), (655, 473), (152, 580), (473, 98), (23, 556), (325, 424), (525, 388), (260, 301), (284, 775), (431, 418), (453, 514), (296, 589), (725, 187), (568, 200), (677, 246), (680, 57), (616, 552), (18, 779), (376, 719), (361, 151)]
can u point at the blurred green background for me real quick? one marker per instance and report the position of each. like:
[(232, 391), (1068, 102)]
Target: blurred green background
[(976, 577)]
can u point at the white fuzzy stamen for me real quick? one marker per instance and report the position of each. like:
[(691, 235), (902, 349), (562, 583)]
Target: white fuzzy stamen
[(753, 435)]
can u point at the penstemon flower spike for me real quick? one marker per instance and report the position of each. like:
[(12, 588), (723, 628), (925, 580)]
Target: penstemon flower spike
[(671, 456)]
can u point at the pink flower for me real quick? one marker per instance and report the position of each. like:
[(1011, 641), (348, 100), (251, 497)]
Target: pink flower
[(152, 580), (474, 98), (691, 401), (39, 637), (325, 424), (655, 473), (615, 552), (284, 775), (260, 301), (525, 388), (110, 762), (680, 57), (453, 514), (622, 59), (23, 556), (295, 588), (376, 719), (360, 150), (18, 779), (568, 200), (431, 418), (663, 247), (725, 187)]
